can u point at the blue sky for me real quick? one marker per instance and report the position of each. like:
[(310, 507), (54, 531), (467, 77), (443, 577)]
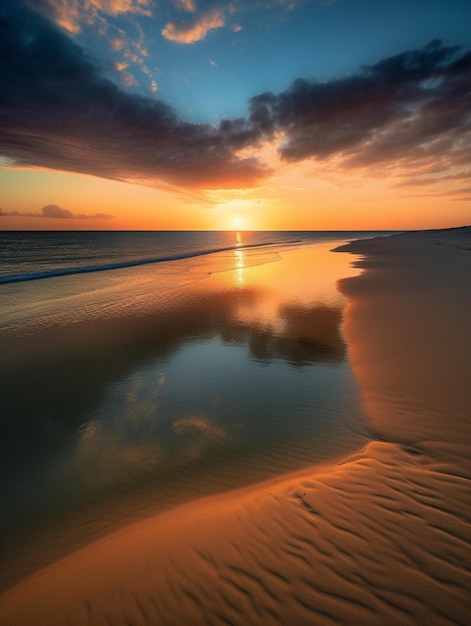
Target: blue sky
[(261, 105), (259, 46)]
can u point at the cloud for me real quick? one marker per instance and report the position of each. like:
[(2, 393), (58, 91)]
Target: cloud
[(185, 5), (57, 111), (463, 175), (405, 117), (213, 16), (94, 216), (69, 14), (54, 211), (114, 7), (118, 43), (412, 109), (191, 31), (199, 425), (65, 13)]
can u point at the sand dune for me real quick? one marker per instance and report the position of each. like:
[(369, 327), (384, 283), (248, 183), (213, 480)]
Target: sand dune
[(381, 537)]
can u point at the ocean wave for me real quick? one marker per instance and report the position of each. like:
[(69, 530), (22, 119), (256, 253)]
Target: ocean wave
[(86, 269)]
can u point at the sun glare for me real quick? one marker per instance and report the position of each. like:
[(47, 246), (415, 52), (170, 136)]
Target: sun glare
[(237, 221)]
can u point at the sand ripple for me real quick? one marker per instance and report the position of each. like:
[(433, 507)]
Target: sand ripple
[(366, 542)]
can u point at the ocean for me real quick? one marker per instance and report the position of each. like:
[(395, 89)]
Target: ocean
[(140, 370), (26, 255)]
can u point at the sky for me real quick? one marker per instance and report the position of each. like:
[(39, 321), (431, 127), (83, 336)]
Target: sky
[(249, 114)]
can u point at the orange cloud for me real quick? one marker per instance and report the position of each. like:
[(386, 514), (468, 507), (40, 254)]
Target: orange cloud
[(54, 211), (113, 7), (66, 13), (195, 30), (185, 5), (117, 43), (71, 13)]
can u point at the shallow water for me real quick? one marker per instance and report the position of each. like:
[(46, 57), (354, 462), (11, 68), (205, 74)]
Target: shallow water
[(128, 392), (32, 255)]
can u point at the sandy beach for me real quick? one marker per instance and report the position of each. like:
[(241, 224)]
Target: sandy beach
[(380, 535)]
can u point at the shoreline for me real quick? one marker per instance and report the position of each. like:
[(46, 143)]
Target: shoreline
[(122, 442), (421, 279), (378, 537)]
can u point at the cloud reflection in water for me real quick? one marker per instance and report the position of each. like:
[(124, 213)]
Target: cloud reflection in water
[(235, 382)]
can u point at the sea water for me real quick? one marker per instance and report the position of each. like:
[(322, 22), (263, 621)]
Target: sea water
[(28, 255), (140, 370)]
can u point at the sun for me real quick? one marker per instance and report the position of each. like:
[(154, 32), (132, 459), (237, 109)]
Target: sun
[(237, 221)]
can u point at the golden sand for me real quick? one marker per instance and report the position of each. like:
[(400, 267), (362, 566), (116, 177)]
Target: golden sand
[(381, 537)]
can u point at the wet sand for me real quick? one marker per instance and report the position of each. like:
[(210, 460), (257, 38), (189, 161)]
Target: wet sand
[(379, 537)]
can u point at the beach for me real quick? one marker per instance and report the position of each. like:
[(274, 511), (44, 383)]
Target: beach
[(367, 522)]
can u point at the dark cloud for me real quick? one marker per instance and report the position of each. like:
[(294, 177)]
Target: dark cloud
[(414, 106), (58, 112), (53, 210), (458, 179), (56, 212), (411, 112)]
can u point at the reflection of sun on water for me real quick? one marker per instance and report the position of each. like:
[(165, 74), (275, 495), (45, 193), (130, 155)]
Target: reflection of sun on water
[(240, 261), (239, 255)]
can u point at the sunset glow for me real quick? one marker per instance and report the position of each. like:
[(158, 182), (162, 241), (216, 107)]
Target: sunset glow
[(197, 115), (235, 259)]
